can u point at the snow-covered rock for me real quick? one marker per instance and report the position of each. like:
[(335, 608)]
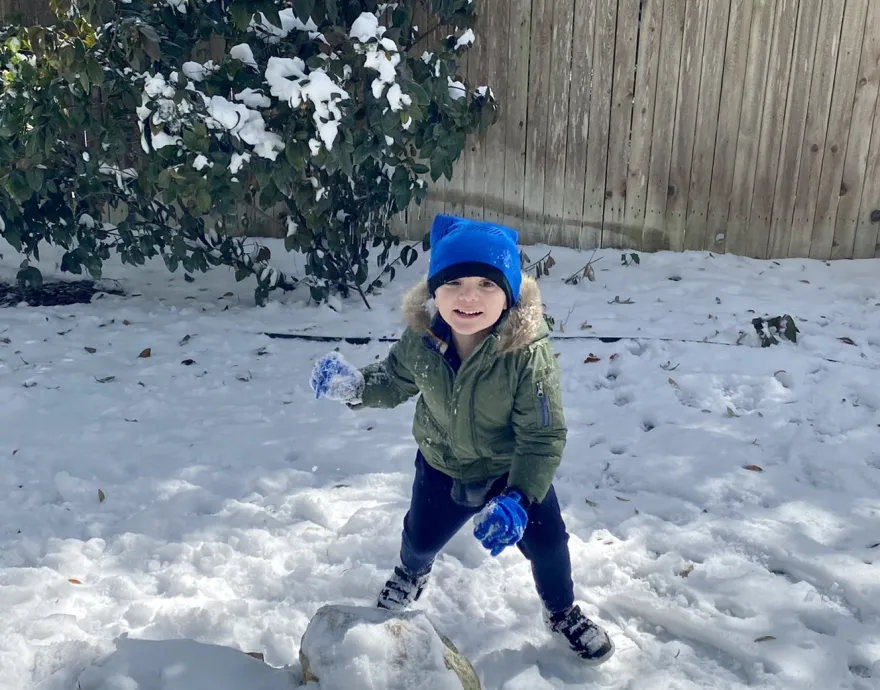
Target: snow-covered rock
[(374, 649)]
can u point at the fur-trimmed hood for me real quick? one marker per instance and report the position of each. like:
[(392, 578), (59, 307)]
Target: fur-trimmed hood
[(523, 324)]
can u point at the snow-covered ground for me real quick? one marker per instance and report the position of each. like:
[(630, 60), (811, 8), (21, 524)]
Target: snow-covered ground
[(233, 505)]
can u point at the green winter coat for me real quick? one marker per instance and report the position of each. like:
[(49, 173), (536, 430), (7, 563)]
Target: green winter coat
[(501, 412)]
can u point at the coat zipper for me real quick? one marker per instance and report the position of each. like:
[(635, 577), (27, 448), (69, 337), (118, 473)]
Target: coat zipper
[(543, 405)]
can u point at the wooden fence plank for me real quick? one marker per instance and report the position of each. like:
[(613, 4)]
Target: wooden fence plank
[(538, 121), (736, 237), (636, 183), (718, 14), (839, 122), (558, 106), (435, 203), (738, 31), (855, 166), (455, 188), (810, 170), (685, 121), (576, 150), (654, 235), (493, 55), (802, 68), (475, 191), (613, 230), (600, 124), (515, 110), (772, 121), (867, 242)]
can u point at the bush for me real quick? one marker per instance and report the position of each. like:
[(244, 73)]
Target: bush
[(167, 117)]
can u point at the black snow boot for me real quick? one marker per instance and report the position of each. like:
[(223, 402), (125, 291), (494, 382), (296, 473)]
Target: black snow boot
[(586, 639), (401, 590)]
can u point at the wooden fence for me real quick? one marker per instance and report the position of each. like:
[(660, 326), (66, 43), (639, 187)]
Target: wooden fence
[(745, 126)]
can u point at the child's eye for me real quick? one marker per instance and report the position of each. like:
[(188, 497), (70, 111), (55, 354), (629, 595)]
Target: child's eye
[(488, 284)]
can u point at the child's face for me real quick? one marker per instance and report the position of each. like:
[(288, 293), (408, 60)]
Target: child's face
[(470, 305)]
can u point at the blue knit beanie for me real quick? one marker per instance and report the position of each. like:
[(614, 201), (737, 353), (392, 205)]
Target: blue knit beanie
[(461, 248)]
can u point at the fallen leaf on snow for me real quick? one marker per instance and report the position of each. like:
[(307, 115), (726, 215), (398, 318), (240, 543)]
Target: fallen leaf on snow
[(624, 500), (101, 496), (5, 341), (673, 382), (848, 341), (74, 581), (752, 468), (585, 326), (591, 503), (591, 359), (90, 350), (126, 322), (185, 340), (765, 638), (106, 379), (256, 655), (148, 352), (188, 362), (687, 571)]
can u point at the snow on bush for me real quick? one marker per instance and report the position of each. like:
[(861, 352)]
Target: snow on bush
[(326, 116)]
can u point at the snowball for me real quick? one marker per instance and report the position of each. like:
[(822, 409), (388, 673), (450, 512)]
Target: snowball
[(243, 53)]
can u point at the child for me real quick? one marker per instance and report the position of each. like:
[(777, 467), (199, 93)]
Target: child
[(488, 422)]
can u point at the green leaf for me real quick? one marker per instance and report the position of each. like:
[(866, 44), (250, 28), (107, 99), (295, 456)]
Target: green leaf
[(35, 179), (204, 202), (303, 9), (96, 74), (332, 9), (270, 11), (13, 238), (408, 256), (241, 15), (241, 274)]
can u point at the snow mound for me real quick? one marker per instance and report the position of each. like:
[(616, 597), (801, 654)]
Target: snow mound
[(180, 665), (373, 649)]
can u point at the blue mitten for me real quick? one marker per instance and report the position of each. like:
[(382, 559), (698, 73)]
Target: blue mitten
[(502, 522), (336, 379)]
